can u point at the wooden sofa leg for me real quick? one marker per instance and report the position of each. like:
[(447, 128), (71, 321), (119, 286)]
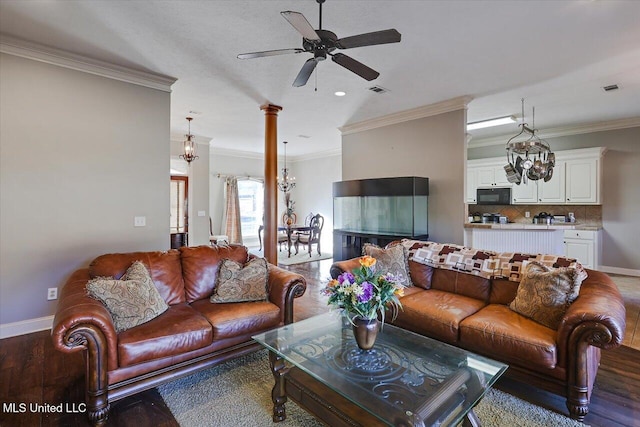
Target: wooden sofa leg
[(577, 402), (96, 396), (580, 376)]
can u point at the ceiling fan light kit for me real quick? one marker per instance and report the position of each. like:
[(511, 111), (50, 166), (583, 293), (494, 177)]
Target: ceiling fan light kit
[(528, 156), (322, 43)]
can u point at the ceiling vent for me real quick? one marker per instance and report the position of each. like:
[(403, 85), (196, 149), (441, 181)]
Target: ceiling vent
[(610, 88), (378, 89)]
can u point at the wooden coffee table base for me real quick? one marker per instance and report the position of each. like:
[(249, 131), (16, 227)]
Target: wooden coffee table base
[(324, 403)]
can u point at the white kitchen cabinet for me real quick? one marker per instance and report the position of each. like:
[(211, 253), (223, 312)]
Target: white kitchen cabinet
[(492, 176), (472, 179), (525, 194), (583, 245), (541, 192), (583, 181), (577, 179), (553, 191)]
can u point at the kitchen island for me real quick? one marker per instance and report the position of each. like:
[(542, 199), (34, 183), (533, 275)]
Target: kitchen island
[(568, 239)]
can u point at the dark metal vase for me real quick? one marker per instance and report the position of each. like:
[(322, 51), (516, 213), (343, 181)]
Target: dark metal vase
[(365, 331)]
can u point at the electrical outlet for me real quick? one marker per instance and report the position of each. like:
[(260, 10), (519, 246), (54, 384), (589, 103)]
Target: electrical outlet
[(139, 221), (527, 214), (52, 293)]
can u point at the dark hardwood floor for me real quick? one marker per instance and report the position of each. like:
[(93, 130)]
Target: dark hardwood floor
[(33, 372)]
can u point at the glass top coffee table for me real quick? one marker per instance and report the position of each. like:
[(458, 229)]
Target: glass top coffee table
[(406, 379)]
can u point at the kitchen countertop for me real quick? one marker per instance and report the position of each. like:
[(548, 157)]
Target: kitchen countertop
[(526, 226)]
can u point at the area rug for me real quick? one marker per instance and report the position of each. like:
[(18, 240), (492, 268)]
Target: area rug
[(301, 258), (238, 393)]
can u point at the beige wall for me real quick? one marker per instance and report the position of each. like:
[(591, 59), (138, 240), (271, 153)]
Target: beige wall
[(432, 147), (314, 191), (620, 191), (80, 156)]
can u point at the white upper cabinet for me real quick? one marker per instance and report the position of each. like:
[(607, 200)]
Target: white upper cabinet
[(541, 192), (553, 191), (492, 176), (525, 193), (472, 179), (582, 181), (577, 179)]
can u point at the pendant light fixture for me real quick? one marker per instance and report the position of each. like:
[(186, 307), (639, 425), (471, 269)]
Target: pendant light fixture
[(286, 183), (528, 156), (189, 145)]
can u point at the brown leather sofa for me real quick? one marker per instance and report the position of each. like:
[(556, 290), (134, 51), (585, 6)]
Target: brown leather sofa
[(191, 335), (473, 313)]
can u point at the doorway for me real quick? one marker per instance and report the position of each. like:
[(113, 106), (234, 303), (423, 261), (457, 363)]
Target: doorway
[(179, 213)]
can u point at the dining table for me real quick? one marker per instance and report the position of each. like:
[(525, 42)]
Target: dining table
[(289, 229)]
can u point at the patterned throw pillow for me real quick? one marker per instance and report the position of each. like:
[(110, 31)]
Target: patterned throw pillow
[(392, 260), (545, 293), (241, 283), (132, 301)]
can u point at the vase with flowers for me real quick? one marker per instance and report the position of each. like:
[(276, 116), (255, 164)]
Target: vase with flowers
[(365, 295)]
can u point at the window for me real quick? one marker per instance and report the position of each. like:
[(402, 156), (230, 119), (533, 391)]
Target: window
[(251, 195), (178, 220)]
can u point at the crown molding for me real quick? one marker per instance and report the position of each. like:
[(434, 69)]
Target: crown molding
[(217, 151), (317, 155), (62, 58), (447, 106), (564, 131), (260, 156)]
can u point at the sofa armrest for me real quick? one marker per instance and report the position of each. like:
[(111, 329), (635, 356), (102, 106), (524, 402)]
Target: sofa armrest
[(596, 317), (339, 267), (284, 287), (84, 323)]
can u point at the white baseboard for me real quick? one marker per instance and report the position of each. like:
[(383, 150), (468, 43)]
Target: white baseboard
[(618, 270), (25, 327)]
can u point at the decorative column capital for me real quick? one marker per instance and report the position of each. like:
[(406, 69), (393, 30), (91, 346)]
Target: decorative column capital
[(271, 109)]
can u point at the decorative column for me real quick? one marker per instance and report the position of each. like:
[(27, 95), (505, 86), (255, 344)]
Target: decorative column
[(270, 182)]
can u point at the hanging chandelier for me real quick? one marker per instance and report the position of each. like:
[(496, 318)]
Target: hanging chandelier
[(286, 183), (189, 145), (528, 156)]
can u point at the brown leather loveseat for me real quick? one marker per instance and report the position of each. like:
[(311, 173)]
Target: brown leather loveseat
[(467, 310), (190, 335)]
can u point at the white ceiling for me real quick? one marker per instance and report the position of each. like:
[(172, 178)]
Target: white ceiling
[(556, 54)]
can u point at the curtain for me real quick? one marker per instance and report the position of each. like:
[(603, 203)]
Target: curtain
[(232, 212)]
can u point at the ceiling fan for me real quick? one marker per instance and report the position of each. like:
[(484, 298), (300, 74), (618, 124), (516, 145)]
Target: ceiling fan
[(323, 42)]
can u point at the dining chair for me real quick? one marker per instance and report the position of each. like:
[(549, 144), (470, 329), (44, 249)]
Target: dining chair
[(315, 232)]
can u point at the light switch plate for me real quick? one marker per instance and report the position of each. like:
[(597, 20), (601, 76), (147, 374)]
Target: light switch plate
[(201, 213), (139, 221)]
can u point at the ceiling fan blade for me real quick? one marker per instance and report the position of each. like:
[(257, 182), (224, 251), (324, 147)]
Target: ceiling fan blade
[(305, 72), (369, 39), (252, 55), (301, 24), (355, 66)]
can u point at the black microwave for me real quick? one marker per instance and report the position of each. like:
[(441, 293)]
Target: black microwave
[(493, 196)]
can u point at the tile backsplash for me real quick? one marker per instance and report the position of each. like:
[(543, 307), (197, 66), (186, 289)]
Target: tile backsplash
[(590, 215)]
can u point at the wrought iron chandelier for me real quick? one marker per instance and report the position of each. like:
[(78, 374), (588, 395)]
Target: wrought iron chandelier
[(528, 156), (189, 145), (286, 183)]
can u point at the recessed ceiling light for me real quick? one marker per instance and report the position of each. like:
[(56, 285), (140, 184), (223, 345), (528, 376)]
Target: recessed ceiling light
[(491, 122), (195, 113), (340, 93)]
